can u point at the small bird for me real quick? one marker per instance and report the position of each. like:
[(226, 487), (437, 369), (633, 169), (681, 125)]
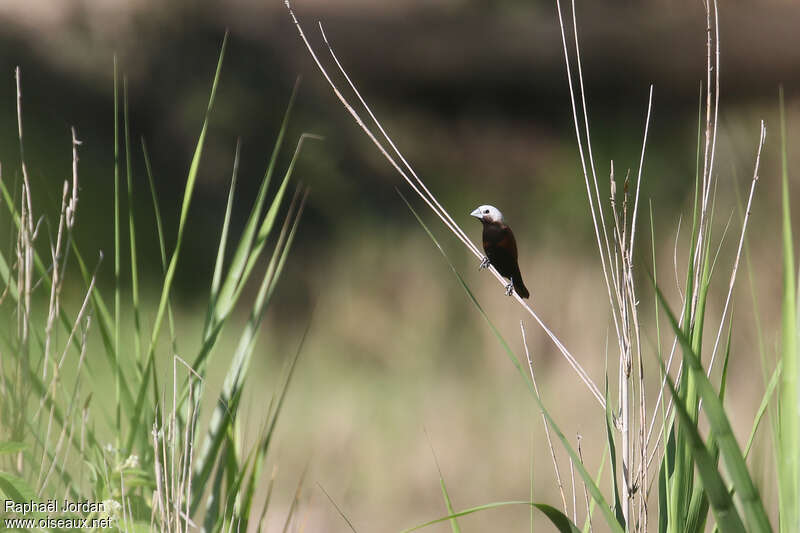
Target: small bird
[(500, 247)]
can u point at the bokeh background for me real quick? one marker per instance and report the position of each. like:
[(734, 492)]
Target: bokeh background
[(398, 365)]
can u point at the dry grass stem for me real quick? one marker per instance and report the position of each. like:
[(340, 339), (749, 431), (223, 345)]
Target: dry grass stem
[(762, 137), (55, 285), (617, 267), (544, 419), (67, 426), (173, 458)]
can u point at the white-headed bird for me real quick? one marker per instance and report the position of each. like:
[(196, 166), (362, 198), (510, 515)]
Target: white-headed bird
[(500, 247)]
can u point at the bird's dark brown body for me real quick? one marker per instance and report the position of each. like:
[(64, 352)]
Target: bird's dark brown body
[(501, 249)]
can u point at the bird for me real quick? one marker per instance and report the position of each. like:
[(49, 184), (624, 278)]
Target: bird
[(500, 247)]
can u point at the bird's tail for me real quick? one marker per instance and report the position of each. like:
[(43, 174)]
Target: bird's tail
[(520, 288)]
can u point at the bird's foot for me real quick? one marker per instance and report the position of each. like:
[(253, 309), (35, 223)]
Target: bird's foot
[(509, 289), (484, 263)]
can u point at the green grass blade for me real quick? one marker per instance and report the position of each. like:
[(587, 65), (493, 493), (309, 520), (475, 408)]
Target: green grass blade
[(223, 300), (17, 489), (233, 490), (338, 509), (559, 519), (241, 269), (762, 408), (216, 280), (663, 504), (270, 218), (272, 420), (12, 447), (226, 408), (723, 384), (136, 415), (587, 525), (789, 414), (720, 425), (448, 504), (132, 229), (698, 503), (665, 473), (720, 500), (682, 479), (213, 501), (187, 199), (453, 522), (115, 355), (161, 243)]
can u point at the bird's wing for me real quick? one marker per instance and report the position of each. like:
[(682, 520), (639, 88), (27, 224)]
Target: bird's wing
[(508, 242)]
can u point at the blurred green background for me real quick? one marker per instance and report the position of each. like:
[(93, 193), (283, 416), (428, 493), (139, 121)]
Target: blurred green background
[(475, 95)]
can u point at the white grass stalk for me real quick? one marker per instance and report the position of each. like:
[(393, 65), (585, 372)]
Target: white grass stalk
[(544, 420), (73, 203), (617, 267), (173, 458), (639, 175), (710, 148), (593, 210), (159, 498), (661, 388), (67, 424), (762, 137), (55, 286), (641, 476), (443, 214)]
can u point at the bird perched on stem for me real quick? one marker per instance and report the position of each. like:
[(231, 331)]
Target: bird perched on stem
[(500, 247)]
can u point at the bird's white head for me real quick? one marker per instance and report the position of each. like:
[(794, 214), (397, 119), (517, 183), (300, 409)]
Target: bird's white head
[(488, 213)]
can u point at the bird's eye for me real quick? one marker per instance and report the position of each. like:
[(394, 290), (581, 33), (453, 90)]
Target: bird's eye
[(486, 212)]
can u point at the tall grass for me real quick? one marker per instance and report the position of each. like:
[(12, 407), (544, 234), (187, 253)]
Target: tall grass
[(787, 434), (697, 473), (160, 470)]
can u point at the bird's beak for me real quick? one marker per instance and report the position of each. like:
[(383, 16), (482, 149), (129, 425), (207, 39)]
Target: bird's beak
[(477, 213)]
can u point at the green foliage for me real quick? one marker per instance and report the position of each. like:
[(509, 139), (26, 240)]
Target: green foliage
[(714, 486), (158, 470)]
